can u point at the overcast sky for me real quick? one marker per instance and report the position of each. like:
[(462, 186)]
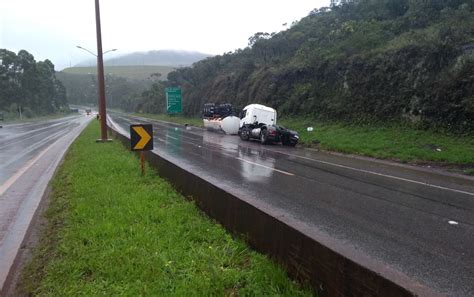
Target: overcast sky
[(51, 29)]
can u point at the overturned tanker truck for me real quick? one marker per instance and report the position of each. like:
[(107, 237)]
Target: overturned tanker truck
[(220, 117), (255, 121)]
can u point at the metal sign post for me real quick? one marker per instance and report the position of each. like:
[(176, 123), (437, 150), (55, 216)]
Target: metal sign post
[(142, 162), (141, 139)]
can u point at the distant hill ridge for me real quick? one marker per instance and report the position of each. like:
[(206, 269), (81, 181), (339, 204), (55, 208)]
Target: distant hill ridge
[(172, 58), (140, 72)]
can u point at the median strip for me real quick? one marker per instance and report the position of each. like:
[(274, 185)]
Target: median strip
[(111, 231)]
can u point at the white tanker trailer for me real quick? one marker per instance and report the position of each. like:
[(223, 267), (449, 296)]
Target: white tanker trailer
[(220, 118)]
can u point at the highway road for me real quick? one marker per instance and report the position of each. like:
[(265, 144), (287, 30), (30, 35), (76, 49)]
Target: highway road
[(417, 221), (29, 155)]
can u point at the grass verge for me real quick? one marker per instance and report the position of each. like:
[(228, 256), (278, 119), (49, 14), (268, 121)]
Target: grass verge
[(111, 231), (399, 143), (387, 142)]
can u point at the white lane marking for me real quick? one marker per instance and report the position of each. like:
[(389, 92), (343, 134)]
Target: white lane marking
[(241, 159), (281, 171), (117, 127), (381, 174), (38, 144), (4, 187), (238, 158), (453, 222), (17, 137), (20, 172)]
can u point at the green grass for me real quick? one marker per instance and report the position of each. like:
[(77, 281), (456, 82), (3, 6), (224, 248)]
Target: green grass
[(132, 72), (112, 232), (387, 142), (394, 142)]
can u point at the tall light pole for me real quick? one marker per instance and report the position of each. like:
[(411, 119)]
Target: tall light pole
[(101, 93), (100, 76), (90, 52)]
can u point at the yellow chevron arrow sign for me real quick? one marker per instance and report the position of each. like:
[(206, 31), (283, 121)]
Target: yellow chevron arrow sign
[(140, 136)]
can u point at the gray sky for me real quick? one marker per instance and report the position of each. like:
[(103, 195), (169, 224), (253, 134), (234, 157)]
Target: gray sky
[(50, 29)]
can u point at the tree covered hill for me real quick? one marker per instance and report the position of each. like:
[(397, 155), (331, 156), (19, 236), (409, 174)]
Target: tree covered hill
[(29, 87), (385, 60)]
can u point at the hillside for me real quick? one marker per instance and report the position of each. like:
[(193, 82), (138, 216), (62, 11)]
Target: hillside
[(129, 72), (123, 83), (170, 58), (126, 76), (375, 61), (121, 92)]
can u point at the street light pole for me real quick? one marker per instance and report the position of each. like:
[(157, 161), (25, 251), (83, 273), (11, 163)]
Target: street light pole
[(90, 52), (100, 77), (85, 49)]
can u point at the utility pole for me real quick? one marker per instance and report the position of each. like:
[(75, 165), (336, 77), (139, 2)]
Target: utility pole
[(100, 77)]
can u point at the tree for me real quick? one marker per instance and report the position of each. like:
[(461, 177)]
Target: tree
[(27, 85)]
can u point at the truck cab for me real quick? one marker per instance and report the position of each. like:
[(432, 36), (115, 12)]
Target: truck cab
[(259, 122), (255, 114)]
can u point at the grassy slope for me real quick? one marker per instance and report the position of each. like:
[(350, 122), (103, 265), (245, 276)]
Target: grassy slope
[(390, 142), (132, 72), (112, 232), (387, 142)]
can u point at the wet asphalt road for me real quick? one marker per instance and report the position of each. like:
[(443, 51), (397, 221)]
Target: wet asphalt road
[(416, 221), (21, 142), (29, 155)]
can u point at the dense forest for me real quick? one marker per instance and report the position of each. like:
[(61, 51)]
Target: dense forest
[(29, 88), (367, 61)]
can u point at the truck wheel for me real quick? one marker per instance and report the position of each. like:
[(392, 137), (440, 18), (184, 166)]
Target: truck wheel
[(264, 137), (244, 134)]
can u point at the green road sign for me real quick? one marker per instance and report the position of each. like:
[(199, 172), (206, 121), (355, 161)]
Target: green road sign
[(173, 100)]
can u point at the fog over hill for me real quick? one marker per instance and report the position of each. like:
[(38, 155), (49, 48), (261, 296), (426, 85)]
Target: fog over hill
[(172, 58)]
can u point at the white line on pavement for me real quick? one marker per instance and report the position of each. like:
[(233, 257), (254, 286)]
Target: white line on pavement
[(281, 171)]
